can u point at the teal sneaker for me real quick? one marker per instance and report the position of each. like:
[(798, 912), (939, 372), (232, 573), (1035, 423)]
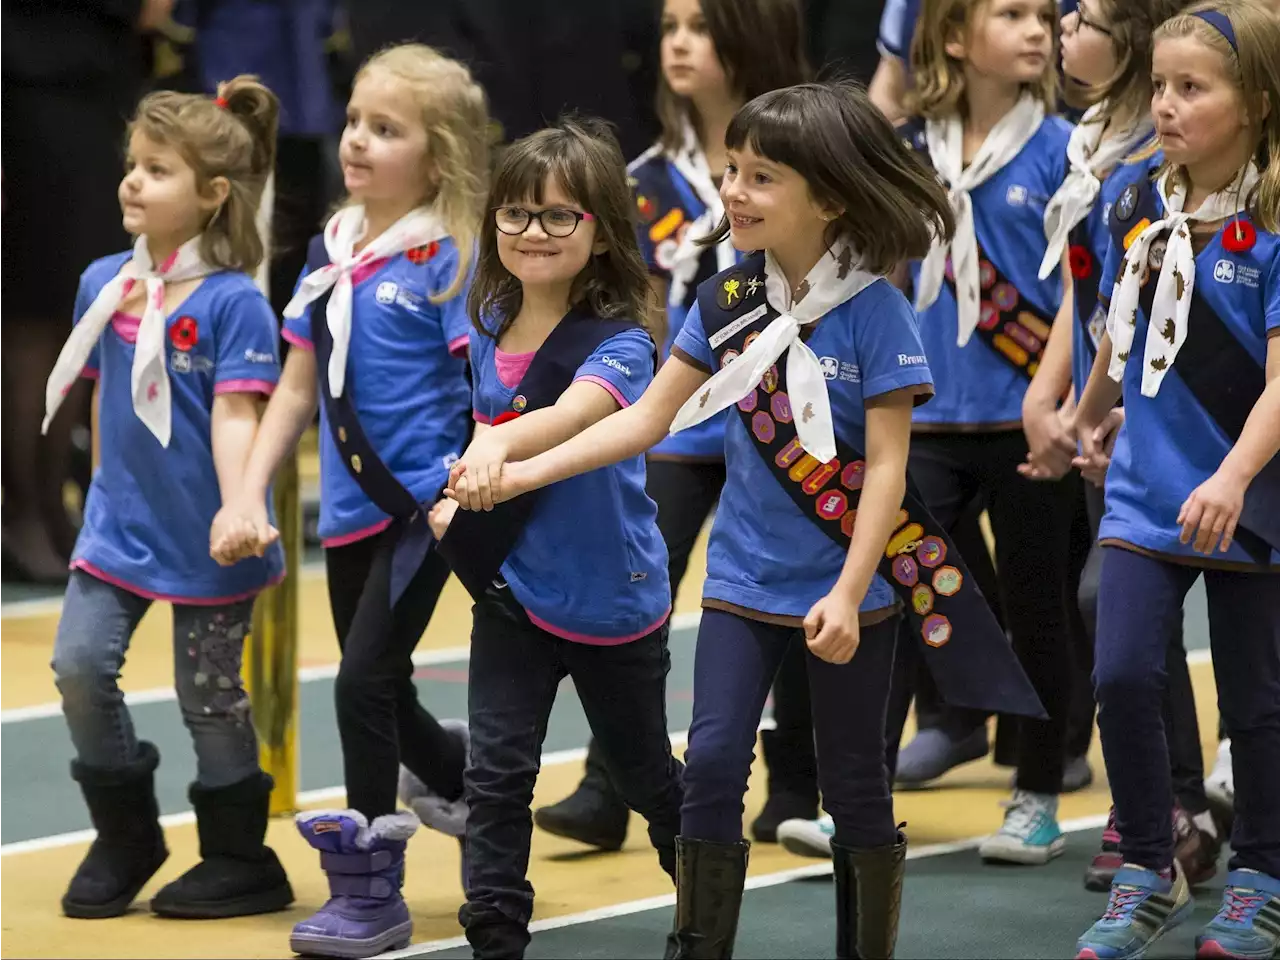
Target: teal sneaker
[(1030, 833), (1143, 907), (807, 838), (1248, 924)]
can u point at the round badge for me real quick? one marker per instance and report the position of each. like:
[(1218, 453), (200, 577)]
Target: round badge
[(420, 255), (1239, 236), (1127, 203), (905, 571), (948, 581), (664, 254), (519, 403), (921, 599), (1004, 296), (936, 630), (986, 274), (729, 291), (1080, 260), (853, 475), (728, 358), (184, 334), (831, 504), (931, 552), (988, 315)]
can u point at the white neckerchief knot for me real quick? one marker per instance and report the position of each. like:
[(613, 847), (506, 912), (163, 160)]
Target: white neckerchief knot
[(1091, 156), (149, 377), (834, 279), (1167, 325), (691, 163), (946, 150), (341, 234)]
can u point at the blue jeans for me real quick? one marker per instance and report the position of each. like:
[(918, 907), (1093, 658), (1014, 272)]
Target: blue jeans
[(98, 621), (1139, 608), (734, 666)]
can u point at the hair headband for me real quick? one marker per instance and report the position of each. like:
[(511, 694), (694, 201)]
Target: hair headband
[(1220, 22)]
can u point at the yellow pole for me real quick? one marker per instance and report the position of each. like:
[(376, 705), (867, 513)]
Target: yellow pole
[(271, 654)]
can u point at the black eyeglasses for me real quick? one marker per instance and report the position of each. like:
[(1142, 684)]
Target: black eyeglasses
[(556, 222), (1092, 24)]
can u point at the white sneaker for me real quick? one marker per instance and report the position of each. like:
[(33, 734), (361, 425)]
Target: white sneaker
[(447, 816), (1220, 784), (807, 838), (1030, 833)]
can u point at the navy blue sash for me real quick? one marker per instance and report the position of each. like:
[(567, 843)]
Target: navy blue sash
[(1086, 277), (1013, 327), (966, 650), (663, 207), (1221, 374)]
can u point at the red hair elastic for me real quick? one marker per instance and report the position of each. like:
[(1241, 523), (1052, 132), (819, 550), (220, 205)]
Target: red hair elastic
[(220, 102)]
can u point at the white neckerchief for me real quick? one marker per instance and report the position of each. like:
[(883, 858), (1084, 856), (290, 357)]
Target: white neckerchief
[(1167, 325), (149, 377), (825, 290), (343, 231), (691, 163), (1091, 156), (946, 150)]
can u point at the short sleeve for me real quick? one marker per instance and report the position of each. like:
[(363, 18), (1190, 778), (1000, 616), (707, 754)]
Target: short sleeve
[(1271, 304), (297, 330), (897, 25), (454, 322), (887, 341), (692, 341), (1110, 272), (478, 348), (247, 357), (84, 299), (623, 365)]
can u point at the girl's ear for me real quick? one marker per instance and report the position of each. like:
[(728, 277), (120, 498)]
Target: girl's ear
[(599, 245), (955, 44), (215, 195)]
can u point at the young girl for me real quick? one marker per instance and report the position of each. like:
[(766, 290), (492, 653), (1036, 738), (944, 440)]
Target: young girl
[(1106, 56), (379, 334), (984, 82), (716, 55), (817, 181), (557, 305), (1192, 486), (181, 344)]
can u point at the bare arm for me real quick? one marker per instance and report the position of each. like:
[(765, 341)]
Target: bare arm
[(290, 412), (888, 88), (233, 427)]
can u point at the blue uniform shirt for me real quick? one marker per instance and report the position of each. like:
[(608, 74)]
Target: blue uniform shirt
[(1169, 445), (590, 564), (407, 375), (765, 554), (976, 386), (659, 229), (149, 509)]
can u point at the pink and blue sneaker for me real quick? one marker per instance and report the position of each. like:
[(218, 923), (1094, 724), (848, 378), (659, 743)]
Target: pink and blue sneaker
[(1144, 905), (1248, 924)]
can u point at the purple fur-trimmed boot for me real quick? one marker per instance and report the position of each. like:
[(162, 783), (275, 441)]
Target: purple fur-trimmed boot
[(365, 914)]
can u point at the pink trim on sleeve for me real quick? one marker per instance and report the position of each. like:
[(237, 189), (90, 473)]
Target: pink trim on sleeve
[(458, 346), (297, 339), (602, 382), (479, 417), (264, 387), (346, 538), (89, 373)]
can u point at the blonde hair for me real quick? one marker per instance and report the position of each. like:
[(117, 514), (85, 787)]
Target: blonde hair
[(1256, 72), (939, 78), (232, 136), (455, 115)]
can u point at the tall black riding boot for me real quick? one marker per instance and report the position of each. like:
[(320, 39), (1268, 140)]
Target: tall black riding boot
[(129, 848), (593, 814), (709, 881), (237, 874), (868, 899)]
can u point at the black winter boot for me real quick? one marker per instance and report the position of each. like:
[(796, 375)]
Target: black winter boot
[(237, 874), (129, 848), (868, 899), (709, 882), (593, 814), (793, 783)]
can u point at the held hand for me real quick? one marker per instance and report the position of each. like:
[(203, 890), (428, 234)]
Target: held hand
[(440, 515), (1050, 443), (831, 628), (482, 465), (513, 480), (240, 529), (1212, 511), (1096, 443)]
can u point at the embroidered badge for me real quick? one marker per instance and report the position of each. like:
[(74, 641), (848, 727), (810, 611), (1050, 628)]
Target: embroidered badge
[(1127, 203), (730, 291), (789, 454), (905, 540), (1004, 296), (906, 572), (818, 479), (728, 358), (832, 505), (763, 427), (664, 254), (853, 474), (666, 226), (847, 522), (936, 630), (948, 581), (184, 334), (770, 379), (932, 551), (645, 207), (780, 405), (749, 402), (1132, 235), (988, 315), (921, 599), (754, 284)]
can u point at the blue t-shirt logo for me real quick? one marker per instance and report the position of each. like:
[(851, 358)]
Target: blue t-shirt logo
[(1224, 271)]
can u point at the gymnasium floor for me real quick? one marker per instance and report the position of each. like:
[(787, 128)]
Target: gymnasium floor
[(616, 905)]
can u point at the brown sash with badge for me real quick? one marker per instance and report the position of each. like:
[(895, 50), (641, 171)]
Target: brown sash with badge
[(966, 649), (1010, 324), (1215, 367)]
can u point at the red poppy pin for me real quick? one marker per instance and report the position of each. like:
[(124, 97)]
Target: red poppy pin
[(420, 255), (1239, 236), (1080, 260), (184, 334)]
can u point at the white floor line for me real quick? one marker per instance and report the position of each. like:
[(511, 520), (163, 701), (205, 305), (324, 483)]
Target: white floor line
[(753, 883), (425, 658)]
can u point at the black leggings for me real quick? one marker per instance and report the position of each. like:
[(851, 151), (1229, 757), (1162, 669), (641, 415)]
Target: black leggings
[(1032, 525), (380, 722)]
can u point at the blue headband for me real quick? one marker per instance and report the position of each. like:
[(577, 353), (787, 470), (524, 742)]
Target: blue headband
[(1220, 22)]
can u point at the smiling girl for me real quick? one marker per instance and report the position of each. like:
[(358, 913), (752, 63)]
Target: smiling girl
[(181, 344), (379, 335)]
